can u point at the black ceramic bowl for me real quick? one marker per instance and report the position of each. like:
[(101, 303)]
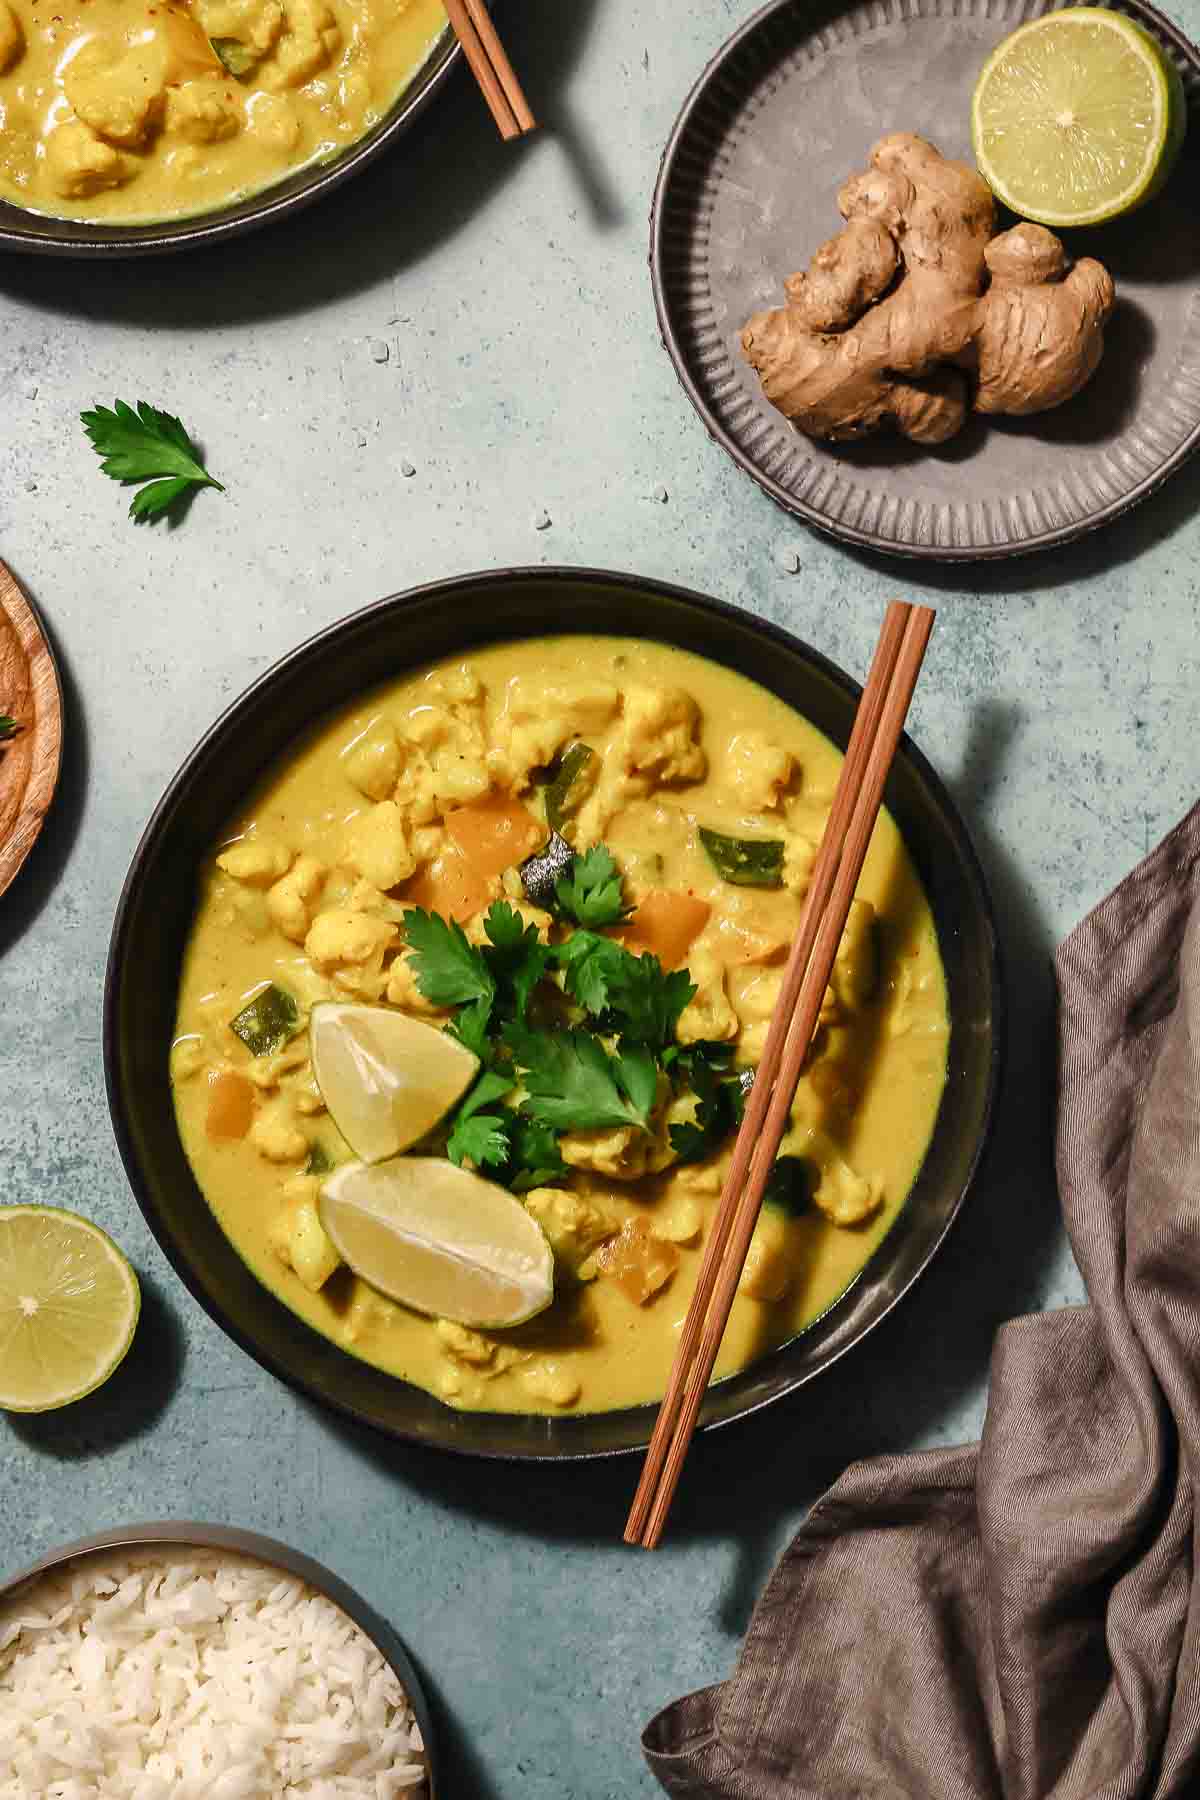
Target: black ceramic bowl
[(44, 236), (451, 618), (185, 1536)]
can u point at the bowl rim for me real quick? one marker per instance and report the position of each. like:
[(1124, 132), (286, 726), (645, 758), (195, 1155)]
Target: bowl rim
[(190, 1534), (452, 589), (264, 207)]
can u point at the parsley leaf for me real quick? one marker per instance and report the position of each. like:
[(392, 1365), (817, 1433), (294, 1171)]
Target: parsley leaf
[(629, 994), (147, 445), (448, 970), (535, 1154), (480, 1135), (573, 1084), (516, 958), (590, 891)]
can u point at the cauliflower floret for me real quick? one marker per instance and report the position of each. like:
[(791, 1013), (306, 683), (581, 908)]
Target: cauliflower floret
[(758, 771), (658, 734), (373, 760), (708, 1017), (291, 902), (80, 164), (255, 23), (573, 1224), (309, 40), (553, 1381), (258, 861), (416, 793), (681, 1222), (856, 966), (275, 1137), (119, 92), (541, 717), (188, 1057), (767, 1274), (12, 36), (845, 1196), (203, 111), (452, 749), (623, 1154), (343, 936), (273, 118), (298, 1238), (377, 846), (457, 687), (799, 856), (466, 1346), (755, 1002), (266, 1071)]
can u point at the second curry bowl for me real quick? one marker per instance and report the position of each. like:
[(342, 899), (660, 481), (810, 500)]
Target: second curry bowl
[(606, 1342)]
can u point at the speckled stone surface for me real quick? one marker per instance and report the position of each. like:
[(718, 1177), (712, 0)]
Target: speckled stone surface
[(523, 386)]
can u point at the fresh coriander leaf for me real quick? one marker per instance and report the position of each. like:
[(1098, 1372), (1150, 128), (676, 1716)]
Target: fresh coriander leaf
[(720, 1101), (535, 1155), (645, 1003), (147, 445), (8, 727), (590, 891), (448, 970), (570, 1081), (483, 1138), (589, 964), (470, 1025), (516, 958), (637, 1075)]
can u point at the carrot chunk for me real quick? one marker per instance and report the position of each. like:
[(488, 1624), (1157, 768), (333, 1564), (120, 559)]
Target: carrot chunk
[(230, 1105), (451, 886), (494, 833), (666, 925), (639, 1262)]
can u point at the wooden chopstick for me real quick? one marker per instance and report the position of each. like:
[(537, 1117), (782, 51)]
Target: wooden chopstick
[(490, 66), (876, 734)]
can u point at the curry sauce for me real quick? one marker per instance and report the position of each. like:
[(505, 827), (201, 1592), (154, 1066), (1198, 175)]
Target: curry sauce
[(404, 799)]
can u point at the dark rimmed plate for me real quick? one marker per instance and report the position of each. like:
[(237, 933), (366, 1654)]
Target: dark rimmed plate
[(42, 235), (785, 112), (188, 1535), (450, 619)]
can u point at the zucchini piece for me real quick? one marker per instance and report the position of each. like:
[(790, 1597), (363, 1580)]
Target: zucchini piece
[(319, 1160), (236, 57), (745, 862), (541, 873), (564, 793), (270, 1021), (790, 1186)]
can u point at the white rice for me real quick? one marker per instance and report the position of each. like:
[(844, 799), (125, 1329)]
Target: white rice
[(195, 1676)]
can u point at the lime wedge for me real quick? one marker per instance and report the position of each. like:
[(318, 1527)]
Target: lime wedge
[(440, 1240), (386, 1079), (1077, 117), (69, 1305)]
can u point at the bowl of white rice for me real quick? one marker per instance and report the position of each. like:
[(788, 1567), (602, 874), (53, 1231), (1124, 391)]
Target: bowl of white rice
[(199, 1662)]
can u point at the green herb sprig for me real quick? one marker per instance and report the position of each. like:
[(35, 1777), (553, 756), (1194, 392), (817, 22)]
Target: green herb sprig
[(146, 445)]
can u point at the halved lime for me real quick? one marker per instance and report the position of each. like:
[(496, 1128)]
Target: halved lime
[(386, 1079), (1077, 117), (69, 1304), (440, 1240)]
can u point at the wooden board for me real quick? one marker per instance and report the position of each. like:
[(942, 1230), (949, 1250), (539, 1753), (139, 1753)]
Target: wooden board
[(30, 693)]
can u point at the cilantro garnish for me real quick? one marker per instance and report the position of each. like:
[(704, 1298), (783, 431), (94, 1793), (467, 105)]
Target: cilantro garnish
[(628, 994), (482, 1136), (572, 1083), (590, 892), (447, 968), (150, 446), (720, 1100)]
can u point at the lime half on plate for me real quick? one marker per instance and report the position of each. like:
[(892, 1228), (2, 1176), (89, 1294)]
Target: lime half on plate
[(439, 1239), (1077, 117), (69, 1304)]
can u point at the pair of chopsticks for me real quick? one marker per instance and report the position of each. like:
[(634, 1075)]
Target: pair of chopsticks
[(490, 66), (873, 743)]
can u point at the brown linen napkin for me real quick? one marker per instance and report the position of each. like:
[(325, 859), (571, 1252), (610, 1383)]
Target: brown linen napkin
[(1018, 1620)]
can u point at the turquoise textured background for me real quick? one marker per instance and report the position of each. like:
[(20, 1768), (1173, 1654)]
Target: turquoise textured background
[(523, 376)]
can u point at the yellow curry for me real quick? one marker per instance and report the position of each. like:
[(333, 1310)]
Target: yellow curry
[(129, 110), (709, 795)]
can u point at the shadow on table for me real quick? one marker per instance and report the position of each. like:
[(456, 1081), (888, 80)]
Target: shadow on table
[(747, 1482), (459, 1769), (129, 1404), (39, 877), (418, 194)]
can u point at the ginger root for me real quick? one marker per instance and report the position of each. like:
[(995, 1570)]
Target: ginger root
[(917, 311)]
